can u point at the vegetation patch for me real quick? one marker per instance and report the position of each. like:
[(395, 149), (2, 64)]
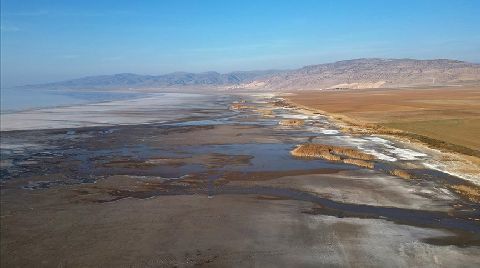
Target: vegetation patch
[(292, 122), (400, 173), (266, 113), (333, 153), (358, 162), (239, 106), (283, 104), (127, 163), (471, 192)]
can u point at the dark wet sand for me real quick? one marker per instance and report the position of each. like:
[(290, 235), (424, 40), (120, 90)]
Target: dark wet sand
[(219, 192)]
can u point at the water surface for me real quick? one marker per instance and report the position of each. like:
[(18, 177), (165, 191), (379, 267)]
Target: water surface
[(14, 100)]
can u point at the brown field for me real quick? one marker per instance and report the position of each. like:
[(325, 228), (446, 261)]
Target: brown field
[(447, 118)]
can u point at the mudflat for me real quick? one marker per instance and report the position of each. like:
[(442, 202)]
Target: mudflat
[(221, 186)]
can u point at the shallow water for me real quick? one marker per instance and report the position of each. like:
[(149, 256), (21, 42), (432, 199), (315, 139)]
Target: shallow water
[(77, 157), (197, 110), (14, 100), (142, 109)]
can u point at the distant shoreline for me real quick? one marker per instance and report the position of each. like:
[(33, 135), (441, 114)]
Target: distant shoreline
[(20, 100), (139, 110)]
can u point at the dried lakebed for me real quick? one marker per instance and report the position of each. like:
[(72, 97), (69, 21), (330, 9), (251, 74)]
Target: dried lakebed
[(218, 186)]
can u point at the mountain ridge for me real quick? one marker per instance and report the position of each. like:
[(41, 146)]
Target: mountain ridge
[(131, 80), (353, 73), (377, 72)]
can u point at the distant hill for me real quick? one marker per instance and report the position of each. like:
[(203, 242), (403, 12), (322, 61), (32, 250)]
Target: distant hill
[(357, 73), (375, 73), (177, 79)]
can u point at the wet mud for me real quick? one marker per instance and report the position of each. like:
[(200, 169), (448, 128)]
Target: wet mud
[(229, 152)]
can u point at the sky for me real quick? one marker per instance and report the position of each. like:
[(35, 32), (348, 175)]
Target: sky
[(44, 41)]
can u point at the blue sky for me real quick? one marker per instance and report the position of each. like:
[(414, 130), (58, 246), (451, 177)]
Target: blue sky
[(54, 40)]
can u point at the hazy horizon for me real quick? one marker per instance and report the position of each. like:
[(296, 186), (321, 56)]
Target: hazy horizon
[(45, 41), (208, 71)]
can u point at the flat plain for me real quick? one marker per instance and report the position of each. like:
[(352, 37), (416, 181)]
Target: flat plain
[(447, 116)]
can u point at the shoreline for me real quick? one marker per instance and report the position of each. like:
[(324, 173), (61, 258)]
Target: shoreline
[(59, 99), (466, 167), (139, 110)]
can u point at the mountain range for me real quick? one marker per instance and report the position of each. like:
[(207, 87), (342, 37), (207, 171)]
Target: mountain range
[(374, 73), (177, 79), (356, 73)]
